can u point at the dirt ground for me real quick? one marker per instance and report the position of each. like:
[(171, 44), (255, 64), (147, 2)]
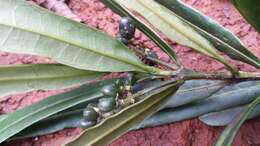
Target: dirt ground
[(185, 133)]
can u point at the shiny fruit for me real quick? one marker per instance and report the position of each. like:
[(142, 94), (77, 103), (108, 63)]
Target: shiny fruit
[(106, 104)]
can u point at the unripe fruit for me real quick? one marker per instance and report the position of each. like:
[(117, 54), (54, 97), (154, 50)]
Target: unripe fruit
[(90, 114), (106, 104), (110, 90)]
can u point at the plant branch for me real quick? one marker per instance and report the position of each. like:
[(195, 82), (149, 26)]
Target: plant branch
[(191, 75)]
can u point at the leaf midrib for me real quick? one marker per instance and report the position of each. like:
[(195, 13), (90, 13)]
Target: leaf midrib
[(201, 87), (213, 54), (45, 77), (45, 35)]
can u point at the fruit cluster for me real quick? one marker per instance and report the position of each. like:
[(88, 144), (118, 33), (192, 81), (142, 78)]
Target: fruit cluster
[(109, 103)]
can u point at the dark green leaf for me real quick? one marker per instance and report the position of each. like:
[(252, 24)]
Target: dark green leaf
[(24, 78), (122, 121), (173, 27), (33, 30), (225, 117), (52, 124), (122, 11), (228, 97), (250, 9), (73, 116), (220, 37), (19, 120), (194, 90), (228, 135)]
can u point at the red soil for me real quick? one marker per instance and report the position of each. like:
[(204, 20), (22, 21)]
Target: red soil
[(189, 132)]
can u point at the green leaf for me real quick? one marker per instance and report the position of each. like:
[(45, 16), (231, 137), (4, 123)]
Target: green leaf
[(221, 38), (2, 117), (23, 118), (146, 29), (72, 117), (228, 135), (250, 9), (33, 30), (121, 122), (225, 117), (24, 78), (231, 96), (194, 90), (52, 124), (174, 27)]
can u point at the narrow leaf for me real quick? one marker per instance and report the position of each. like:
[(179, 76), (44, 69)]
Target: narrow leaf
[(232, 96), (146, 29), (173, 27), (52, 124), (225, 117), (24, 78), (194, 90), (19, 120), (221, 38), (122, 121), (72, 117), (228, 135), (33, 30)]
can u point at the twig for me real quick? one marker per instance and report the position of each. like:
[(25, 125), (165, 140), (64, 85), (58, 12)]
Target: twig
[(191, 75)]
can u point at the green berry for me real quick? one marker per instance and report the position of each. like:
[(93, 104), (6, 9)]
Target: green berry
[(106, 104), (90, 114), (110, 90)]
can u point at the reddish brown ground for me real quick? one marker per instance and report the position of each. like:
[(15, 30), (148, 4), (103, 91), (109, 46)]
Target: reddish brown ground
[(186, 133)]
